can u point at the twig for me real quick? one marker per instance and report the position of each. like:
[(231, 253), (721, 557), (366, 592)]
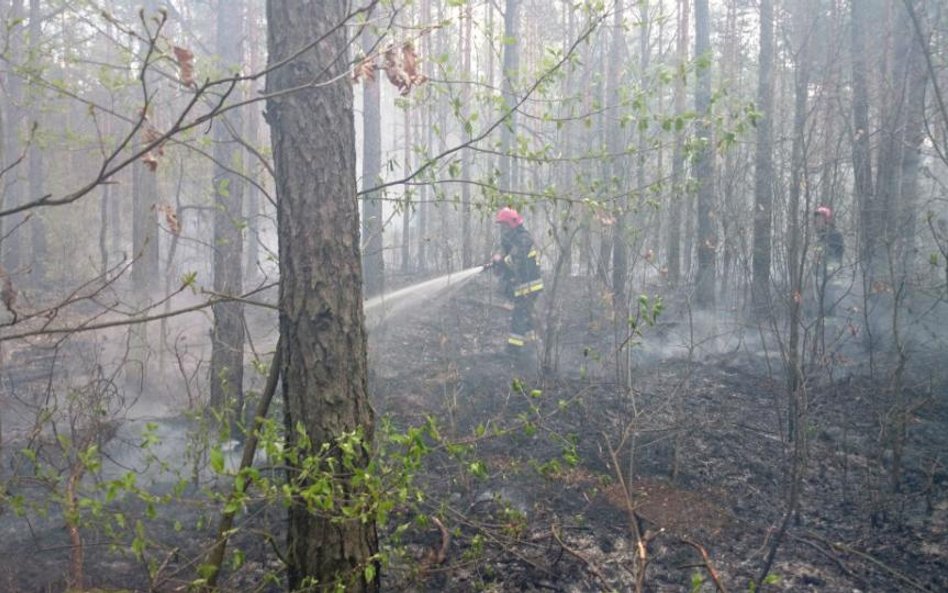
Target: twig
[(442, 553), (707, 564), (592, 569), (872, 560), (216, 556), (836, 560)]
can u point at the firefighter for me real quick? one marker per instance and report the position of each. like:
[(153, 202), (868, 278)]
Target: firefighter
[(829, 260), (830, 239), (517, 265)]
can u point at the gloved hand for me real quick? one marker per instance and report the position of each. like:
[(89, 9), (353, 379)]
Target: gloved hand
[(494, 260)]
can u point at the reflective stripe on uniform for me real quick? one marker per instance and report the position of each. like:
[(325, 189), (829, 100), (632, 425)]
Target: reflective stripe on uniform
[(522, 339), (528, 288)]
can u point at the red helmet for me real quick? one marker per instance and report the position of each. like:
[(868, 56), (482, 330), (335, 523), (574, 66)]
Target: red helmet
[(508, 217), (826, 212)]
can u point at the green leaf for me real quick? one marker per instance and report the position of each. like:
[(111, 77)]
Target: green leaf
[(217, 460), (369, 572)]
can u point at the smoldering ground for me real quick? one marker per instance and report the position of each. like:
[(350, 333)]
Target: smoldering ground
[(534, 492)]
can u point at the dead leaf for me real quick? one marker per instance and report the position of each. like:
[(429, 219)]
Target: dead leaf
[(150, 158), (7, 292), (393, 69), (410, 64), (364, 69), (171, 218), (401, 67), (185, 59)]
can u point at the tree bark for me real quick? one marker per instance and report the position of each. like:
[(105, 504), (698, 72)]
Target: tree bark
[(763, 173), (373, 262), (227, 337), (467, 255), (862, 159), (144, 203), (615, 140), (12, 186), (321, 318), (38, 255), (704, 163), (511, 65), (678, 158)]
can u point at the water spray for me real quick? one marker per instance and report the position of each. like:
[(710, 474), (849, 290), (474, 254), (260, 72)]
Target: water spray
[(379, 307)]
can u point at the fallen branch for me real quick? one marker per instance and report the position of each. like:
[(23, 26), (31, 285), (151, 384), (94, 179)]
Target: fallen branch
[(707, 564), (872, 560), (592, 569), (438, 557)]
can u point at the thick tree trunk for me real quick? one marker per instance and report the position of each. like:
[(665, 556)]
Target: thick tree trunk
[(321, 318), (227, 339)]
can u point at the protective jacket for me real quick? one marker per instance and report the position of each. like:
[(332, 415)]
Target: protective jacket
[(832, 243), (521, 268)]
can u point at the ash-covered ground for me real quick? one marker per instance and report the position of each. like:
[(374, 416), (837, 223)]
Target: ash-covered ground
[(599, 454)]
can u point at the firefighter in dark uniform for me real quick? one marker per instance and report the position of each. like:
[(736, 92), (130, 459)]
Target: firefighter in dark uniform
[(517, 265), (829, 260), (830, 240)]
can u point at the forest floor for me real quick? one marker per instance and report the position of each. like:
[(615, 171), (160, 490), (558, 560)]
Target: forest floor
[(562, 477)]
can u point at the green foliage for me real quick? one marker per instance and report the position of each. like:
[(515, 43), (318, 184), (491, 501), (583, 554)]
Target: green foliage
[(697, 580)]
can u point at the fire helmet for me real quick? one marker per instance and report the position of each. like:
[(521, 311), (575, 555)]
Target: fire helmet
[(508, 217), (826, 212)]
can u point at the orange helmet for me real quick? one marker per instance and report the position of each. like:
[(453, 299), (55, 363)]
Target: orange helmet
[(826, 212), (508, 217)]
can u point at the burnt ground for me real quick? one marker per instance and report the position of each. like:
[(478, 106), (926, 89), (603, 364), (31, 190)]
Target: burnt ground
[(540, 479)]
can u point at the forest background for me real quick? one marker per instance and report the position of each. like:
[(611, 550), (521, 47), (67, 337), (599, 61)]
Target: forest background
[(193, 190)]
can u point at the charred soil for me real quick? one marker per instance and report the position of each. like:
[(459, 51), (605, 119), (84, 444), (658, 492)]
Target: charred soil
[(554, 471)]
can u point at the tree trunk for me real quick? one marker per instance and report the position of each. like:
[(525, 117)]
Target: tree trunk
[(38, 255), (763, 173), (912, 82), (616, 142), (407, 208), (704, 163), (227, 338), (678, 157), (796, 254), (252, 126), (145, 202), (467, 256), (373, 262), (862, 160), (12, 184), (511, 73), (321, 318)]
